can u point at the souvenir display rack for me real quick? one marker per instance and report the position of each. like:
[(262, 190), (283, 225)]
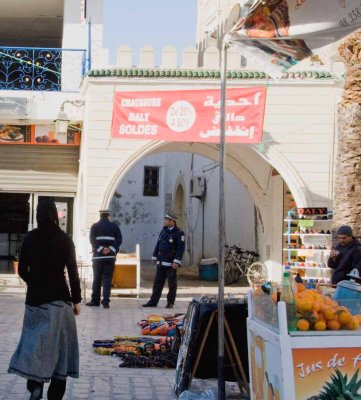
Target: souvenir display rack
[(307, 244)]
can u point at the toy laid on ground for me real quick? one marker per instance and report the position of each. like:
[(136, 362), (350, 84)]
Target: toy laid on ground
[(141, 352), (161, 325)]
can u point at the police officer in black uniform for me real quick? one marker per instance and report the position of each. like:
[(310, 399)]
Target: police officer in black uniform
[(105, 238), (168, 255)]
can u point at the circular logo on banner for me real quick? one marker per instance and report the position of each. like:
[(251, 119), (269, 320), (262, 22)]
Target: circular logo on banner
[(181, 116)]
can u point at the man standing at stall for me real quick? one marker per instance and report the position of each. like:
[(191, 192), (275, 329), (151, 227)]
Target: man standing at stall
[(105, 238), (346, 255), (168, 255)]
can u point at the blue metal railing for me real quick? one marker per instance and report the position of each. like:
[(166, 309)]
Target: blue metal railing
[(41, 69)]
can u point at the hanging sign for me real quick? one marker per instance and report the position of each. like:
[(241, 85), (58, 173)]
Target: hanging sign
[(312, 211), (38, 134), (189, 115), (280, 33)]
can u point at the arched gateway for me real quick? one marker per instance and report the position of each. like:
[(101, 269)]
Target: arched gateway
[(297, 143)]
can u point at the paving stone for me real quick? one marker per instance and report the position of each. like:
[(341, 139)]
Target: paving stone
[(100, 376)]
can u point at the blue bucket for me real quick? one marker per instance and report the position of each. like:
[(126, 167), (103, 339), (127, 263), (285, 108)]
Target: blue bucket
[(208, 270), (348, 294)]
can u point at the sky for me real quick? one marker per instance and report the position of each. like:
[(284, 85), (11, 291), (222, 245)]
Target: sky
[(157, 23)]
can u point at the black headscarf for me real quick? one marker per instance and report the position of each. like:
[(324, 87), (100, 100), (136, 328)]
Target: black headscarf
[(47, 215)]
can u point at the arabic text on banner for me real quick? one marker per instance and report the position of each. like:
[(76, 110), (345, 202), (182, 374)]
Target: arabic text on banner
[(189, 115)]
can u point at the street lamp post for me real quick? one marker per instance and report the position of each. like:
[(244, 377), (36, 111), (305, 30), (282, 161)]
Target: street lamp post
[(221, 381)]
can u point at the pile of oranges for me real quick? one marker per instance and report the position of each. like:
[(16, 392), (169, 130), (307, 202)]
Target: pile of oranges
[(319, 312)]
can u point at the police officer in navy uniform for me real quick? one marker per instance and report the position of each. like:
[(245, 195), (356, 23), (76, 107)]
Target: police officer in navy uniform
[(105, 238), (168, 255)]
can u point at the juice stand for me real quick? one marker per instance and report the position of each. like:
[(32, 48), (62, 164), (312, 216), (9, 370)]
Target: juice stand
[(299, 365)]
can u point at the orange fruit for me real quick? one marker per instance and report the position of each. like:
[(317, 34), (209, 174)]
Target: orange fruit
[(353, 324), (321, 317), (311, 316), (300, 287), (304, 305), (316, 306), (303, 325), (329, 313), (339, 308), (343, 317), (333, 324), (320, 325)]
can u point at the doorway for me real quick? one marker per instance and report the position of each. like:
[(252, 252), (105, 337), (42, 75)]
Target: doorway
[(179, 207), (14, 220), (18, 217)]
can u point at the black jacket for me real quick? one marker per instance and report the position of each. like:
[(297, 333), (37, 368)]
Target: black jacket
[(43, 258), (170, 247), (105, 234), (348, 259)]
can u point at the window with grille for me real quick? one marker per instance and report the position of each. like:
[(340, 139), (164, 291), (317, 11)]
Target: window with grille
[(151, 181)]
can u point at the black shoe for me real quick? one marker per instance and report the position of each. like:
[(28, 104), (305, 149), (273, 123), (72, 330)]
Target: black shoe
[(92, 304), (105, 305), (36, 395), (169, 305), (149, 305)]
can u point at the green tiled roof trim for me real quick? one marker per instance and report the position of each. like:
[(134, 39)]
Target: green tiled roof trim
[(201, 74)]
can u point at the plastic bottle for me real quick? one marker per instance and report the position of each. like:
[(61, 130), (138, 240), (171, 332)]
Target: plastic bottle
[(291, 279), (288, 297)]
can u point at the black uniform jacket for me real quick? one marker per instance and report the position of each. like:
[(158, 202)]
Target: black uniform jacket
[(105, 234), (170, 247)]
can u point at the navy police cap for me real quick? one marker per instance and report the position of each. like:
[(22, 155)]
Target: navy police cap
[(105, 212)]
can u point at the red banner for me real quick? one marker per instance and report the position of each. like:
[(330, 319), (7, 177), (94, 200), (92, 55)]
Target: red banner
[(189, 115)]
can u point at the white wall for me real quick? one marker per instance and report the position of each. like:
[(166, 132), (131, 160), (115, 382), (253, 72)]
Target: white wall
[(141, 217), (75, 33)]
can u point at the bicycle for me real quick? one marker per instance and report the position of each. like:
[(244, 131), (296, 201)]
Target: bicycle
[(239, 263)]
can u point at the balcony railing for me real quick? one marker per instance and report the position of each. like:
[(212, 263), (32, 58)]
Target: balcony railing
[(41, 69)]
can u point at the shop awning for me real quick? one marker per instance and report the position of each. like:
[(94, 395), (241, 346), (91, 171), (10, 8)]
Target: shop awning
[(280, 33)]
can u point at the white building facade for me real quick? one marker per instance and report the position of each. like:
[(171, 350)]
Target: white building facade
[(299, 139)]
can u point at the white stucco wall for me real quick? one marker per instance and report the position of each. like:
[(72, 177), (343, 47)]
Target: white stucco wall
[(141, 217)]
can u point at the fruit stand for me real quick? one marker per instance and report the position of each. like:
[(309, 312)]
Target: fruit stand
[(302, 365)]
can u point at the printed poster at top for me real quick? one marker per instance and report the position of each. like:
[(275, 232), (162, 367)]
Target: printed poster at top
[(280, 33), (189, 115)]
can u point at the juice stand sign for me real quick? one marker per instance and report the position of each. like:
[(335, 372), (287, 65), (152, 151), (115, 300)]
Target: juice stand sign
[(318, 371)]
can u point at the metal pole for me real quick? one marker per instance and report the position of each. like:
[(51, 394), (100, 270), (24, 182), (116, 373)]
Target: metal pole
[(202, 200), (221, 382), (89, 44)]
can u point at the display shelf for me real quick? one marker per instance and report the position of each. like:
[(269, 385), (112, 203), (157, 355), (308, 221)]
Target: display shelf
[(314, 268), (307, 234), (317, 250), (309, 247), (306, 219)]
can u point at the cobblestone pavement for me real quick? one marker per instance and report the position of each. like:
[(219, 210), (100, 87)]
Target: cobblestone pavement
[(101, 378)]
